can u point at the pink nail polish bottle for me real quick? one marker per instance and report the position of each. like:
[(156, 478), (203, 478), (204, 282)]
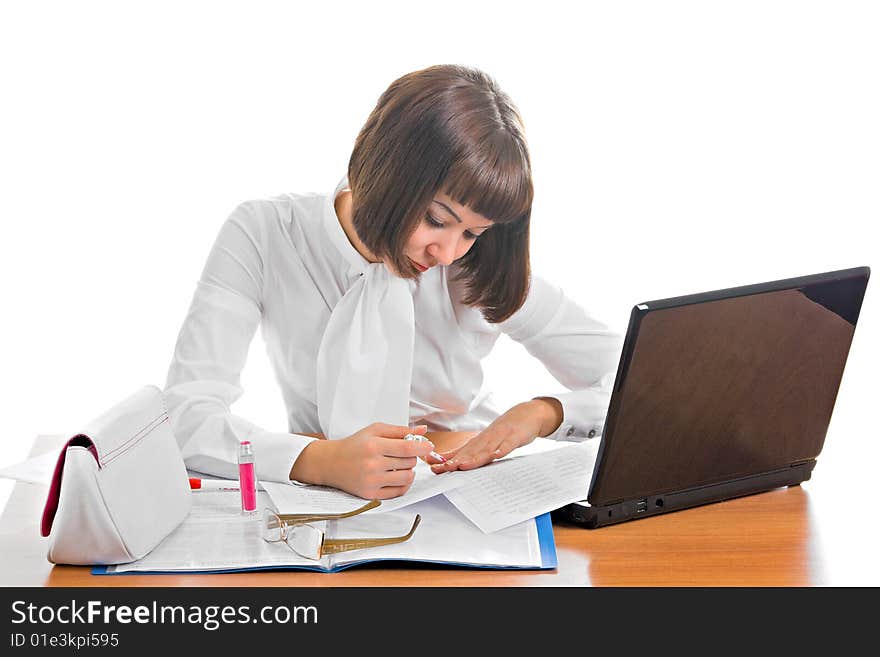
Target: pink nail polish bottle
[(247, 481)]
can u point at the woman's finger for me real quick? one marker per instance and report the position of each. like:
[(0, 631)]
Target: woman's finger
[(397, 430), (477, 453), (507, 445), (397, 463), (405, 448), (389, 492), (435, 458), (437, 465), (396, 478), (492, 443)]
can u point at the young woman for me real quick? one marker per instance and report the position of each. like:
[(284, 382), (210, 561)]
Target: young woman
[(378, 301)]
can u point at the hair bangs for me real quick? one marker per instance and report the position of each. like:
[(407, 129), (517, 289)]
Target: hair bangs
[(493, 181)]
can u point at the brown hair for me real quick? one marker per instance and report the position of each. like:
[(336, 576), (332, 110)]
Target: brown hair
[(448, 129)]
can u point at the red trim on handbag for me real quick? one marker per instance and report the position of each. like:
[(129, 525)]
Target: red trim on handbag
[(51, 507)]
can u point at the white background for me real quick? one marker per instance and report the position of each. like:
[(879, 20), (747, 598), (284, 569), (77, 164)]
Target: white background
[(677, 147)]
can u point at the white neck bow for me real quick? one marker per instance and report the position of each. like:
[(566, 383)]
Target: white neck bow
[(365, 359)]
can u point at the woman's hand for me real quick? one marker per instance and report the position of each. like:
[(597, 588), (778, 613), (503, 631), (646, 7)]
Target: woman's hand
[(517, 427), (374, 463)]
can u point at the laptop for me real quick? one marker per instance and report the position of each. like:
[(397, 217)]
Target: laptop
[(721, 394)]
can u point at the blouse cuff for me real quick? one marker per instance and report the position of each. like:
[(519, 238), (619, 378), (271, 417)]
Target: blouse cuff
[(583, 414), (275, 454)]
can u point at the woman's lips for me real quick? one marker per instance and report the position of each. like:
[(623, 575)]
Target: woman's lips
[(418, 266)]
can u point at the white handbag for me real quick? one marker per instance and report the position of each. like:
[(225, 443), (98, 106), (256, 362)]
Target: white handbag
[(120, 486)]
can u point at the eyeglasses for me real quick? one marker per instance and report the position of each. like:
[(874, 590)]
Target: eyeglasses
[(310, 542)]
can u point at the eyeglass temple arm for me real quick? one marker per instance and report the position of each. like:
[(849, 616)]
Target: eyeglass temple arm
[(335, 545), (291, 519)]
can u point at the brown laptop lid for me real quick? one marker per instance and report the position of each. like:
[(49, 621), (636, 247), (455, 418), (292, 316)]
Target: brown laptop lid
[(728, 384)]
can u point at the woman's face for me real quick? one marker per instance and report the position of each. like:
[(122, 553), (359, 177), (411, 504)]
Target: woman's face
[(445, 234)]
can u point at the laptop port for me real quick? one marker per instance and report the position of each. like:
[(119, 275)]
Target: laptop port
[(642, 506)]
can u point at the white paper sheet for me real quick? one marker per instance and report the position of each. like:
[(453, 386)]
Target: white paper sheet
[(443, 536), (509, 491), (215, 536), (36, 470), (288, 498)]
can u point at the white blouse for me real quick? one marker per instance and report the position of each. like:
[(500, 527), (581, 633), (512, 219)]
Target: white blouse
[(351, 344)]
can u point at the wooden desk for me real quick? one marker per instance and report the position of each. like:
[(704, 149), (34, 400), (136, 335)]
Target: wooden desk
[(799, 536)]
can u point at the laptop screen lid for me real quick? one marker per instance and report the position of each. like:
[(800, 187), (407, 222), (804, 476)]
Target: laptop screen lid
[(726, 385)]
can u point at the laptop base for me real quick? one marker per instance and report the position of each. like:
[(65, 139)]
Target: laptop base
[(591, 517)]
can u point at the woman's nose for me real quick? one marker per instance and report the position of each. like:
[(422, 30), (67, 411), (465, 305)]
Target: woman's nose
[(443, 251)]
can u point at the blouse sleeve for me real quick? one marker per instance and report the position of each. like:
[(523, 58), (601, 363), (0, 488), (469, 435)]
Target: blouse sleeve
[(204, 376), (580, 352)]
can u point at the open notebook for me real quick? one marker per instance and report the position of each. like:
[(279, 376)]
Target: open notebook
[(216, 538)]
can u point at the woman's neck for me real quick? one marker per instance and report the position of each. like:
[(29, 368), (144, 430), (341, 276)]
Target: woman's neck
[(342, 204)]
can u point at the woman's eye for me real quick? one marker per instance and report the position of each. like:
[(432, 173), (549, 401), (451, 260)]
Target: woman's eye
[(434, 223)]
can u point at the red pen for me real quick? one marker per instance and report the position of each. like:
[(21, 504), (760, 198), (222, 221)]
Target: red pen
[(208, 485)]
